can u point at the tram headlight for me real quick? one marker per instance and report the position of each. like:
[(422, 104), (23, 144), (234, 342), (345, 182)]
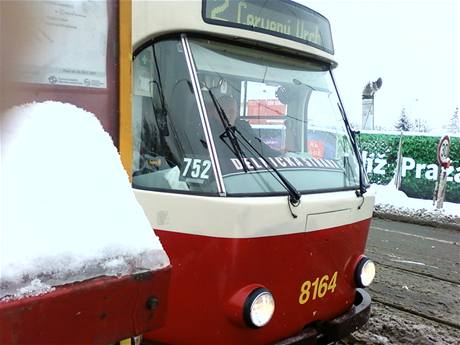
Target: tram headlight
[(258, 308), (365, 272)]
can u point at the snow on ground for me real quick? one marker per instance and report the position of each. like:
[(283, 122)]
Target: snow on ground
[(67, 210), (391, 200)]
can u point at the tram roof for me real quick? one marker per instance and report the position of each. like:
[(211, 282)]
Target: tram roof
[(152, 19)]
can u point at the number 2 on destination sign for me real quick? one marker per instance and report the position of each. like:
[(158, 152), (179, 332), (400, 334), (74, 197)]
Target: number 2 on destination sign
[(317, 288)]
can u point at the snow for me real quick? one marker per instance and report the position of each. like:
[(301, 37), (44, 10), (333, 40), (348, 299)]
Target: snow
[(390, 200), (67, 209)]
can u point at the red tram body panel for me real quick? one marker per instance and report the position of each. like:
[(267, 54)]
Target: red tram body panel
[(208, 271), (217, 262)]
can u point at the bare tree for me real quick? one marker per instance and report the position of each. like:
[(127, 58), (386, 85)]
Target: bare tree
[(420, 125), (454, 123)]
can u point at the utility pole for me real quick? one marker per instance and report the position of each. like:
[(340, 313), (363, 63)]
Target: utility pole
[(368, 103)]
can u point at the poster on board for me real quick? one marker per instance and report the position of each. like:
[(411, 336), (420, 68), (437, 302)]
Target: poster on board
[(69, 44)]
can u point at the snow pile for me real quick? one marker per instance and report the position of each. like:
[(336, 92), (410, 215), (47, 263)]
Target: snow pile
[(67, 209), (389, 200)]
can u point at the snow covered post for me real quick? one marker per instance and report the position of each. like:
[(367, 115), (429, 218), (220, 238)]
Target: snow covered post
[(399, 163), (444, 163)]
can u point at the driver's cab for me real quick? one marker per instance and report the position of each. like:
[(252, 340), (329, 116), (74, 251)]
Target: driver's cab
[(287, 117)]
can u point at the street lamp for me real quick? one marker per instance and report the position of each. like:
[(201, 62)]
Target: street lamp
[(368, 103)]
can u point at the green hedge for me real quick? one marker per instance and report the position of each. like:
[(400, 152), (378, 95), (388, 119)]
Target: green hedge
[(380, 148)]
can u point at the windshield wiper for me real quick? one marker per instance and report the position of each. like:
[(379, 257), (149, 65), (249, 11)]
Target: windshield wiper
[(351, 133), (294, 195), (229, 132)]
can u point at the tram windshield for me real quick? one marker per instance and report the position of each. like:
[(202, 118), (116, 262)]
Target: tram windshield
[(258, 110)]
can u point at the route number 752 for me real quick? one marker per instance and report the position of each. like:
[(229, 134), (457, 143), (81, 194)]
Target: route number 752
[(196, 168)]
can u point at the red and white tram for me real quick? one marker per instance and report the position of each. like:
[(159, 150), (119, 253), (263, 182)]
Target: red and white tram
[(243, 160)]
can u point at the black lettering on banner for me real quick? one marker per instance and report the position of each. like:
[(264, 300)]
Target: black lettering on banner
[(280, 161), (305, 161), (289, 161), (248, 163), (312, 163), (236, 163), (273, 162), (258, 163), (264, 163), (320, 163), (325, 163), (298, 162)]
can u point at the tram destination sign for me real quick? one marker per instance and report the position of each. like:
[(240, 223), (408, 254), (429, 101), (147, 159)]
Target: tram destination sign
[(281, 18)]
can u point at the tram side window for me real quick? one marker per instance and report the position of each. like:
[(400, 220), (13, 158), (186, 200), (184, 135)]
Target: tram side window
[(169, 147)]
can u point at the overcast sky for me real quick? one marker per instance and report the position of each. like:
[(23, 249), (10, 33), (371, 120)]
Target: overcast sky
[(413, 45)]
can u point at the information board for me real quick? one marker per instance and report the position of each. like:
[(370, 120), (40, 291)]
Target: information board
[(69, 41), (282, 18)]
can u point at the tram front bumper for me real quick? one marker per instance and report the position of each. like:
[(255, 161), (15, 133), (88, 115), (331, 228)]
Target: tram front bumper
[(337, 328)]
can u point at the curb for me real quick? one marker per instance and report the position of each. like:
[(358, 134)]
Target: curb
[(419, 221)]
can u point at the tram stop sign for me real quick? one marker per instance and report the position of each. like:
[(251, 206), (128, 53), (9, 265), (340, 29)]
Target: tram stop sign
[(443, 151)]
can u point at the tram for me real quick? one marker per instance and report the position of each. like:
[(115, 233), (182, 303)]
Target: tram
[(266, 233)]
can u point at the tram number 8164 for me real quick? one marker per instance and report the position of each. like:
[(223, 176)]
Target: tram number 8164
[(317, 288)]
